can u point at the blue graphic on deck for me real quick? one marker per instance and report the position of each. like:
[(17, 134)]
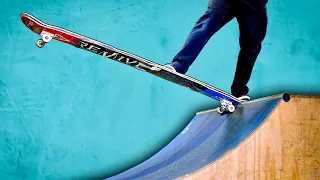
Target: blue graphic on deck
[(214, 94)]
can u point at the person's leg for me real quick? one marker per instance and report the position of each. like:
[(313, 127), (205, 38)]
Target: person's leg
[(216, 16), (252, 25)]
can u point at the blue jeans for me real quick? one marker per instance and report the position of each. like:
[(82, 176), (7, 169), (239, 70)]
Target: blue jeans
[(252, 20)]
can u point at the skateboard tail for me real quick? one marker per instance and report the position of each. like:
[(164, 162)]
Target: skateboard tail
[(33, 24), (54, 32)]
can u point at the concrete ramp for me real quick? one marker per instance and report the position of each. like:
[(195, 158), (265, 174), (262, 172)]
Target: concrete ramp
[(268, 138)]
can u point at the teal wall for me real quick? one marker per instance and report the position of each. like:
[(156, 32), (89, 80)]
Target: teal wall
[(66, 113)]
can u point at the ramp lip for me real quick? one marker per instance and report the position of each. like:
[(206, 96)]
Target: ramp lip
[(284, 96)]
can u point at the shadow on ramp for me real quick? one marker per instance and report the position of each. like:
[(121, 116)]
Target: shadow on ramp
[(261, 139)]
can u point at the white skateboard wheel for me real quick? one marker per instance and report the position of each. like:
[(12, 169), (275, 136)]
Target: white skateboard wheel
[(219, 110), (231, 108), (40, 43), (46, 38)]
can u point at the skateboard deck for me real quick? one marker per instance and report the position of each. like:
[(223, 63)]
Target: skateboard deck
[(49, 32)]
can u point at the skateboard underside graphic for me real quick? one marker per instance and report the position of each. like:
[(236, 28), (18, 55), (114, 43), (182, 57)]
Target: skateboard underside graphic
[(49, 32)]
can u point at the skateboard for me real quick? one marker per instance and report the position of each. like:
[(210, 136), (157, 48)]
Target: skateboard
[(49, 32)]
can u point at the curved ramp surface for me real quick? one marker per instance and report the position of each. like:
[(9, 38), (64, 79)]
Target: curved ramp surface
[(268, 138)]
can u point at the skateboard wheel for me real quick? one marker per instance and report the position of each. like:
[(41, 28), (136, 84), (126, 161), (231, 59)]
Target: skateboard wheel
[(231, 108), (219, 110), (40, 43), (46, 38)]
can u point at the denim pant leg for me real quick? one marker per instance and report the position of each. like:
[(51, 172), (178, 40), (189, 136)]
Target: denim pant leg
[(252, 25), (216, 16)]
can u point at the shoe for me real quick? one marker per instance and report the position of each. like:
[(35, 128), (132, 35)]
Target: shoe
[(244, 98), (169, 67)]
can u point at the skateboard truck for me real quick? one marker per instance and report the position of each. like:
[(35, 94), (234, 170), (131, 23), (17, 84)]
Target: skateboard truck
[(226, 106), (45, 38)]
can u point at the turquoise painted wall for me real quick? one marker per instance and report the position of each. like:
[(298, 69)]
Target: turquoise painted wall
[(66, 113)]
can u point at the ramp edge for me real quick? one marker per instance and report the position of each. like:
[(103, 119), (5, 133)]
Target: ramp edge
[(283, 96)]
